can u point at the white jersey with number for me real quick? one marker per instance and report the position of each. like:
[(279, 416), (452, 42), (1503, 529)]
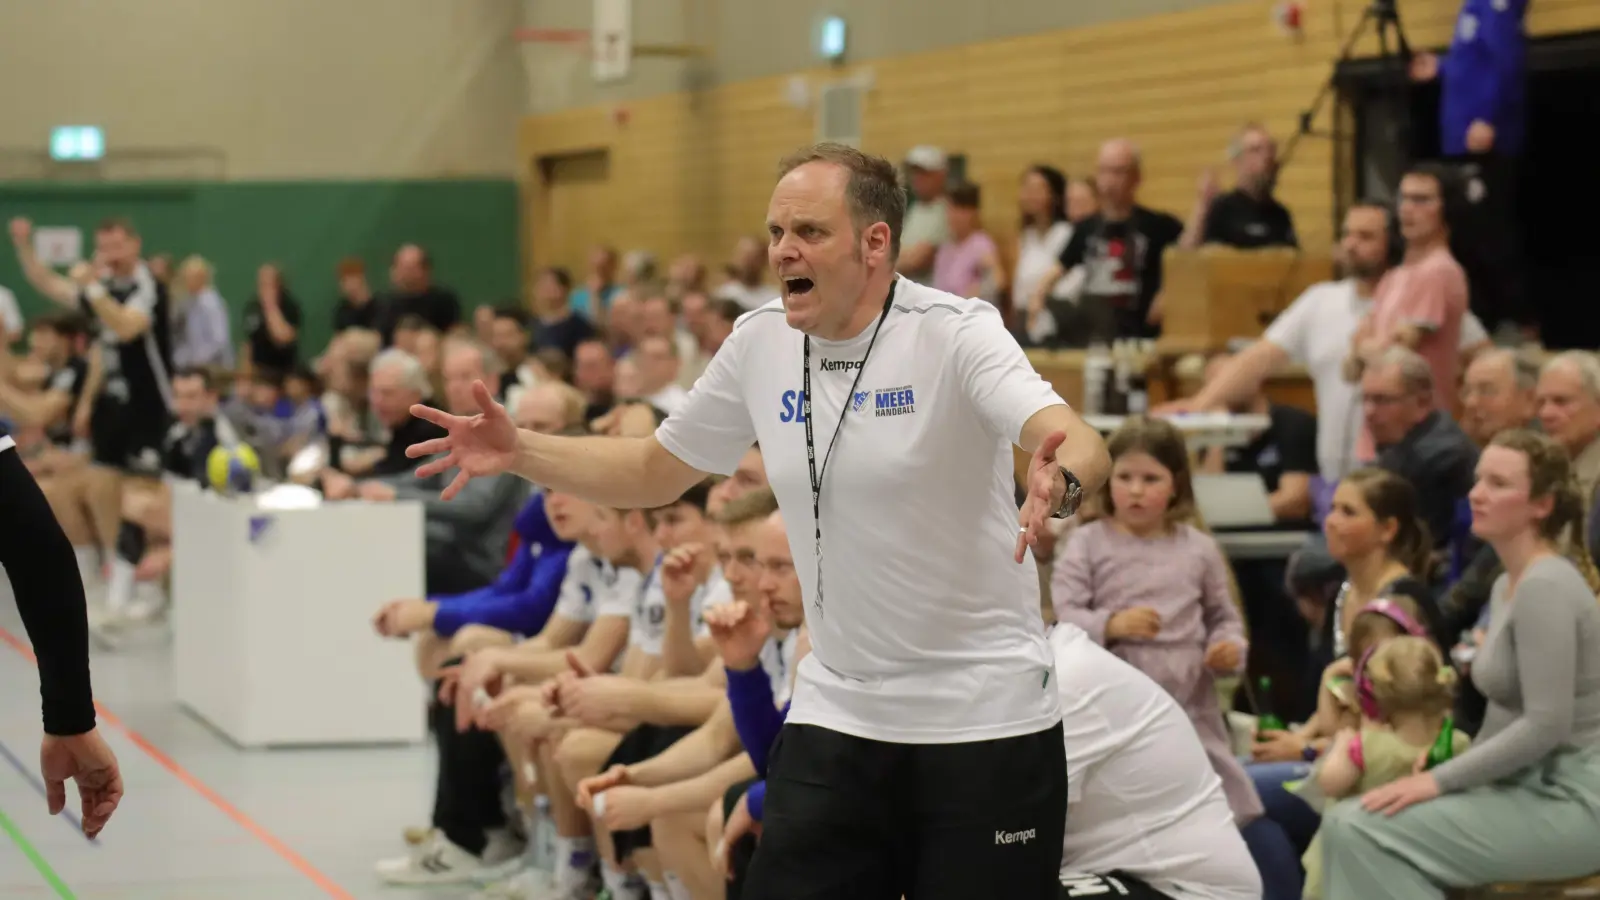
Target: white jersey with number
[(926, 630)]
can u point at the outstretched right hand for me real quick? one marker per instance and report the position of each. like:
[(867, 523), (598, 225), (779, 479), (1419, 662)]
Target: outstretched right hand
[(484, 444)]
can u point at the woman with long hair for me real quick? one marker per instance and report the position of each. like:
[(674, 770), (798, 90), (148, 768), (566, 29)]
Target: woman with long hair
[(1374, 531), (1523, 803), (1042, 201)]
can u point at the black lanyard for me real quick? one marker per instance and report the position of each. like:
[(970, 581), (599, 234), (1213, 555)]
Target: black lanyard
[(844, 410)]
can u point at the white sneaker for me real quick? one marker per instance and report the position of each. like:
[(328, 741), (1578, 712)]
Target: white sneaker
[(528, 884), (147, 606), (438, 861)]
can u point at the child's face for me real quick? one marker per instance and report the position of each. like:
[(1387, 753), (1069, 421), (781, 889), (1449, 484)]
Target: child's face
[(1141, 490), (297, 389)]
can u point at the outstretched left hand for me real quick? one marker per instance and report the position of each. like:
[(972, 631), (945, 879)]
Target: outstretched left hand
[(1046, 486)]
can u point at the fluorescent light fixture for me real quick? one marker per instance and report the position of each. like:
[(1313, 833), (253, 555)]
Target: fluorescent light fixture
[(831, 38), (77, 143)]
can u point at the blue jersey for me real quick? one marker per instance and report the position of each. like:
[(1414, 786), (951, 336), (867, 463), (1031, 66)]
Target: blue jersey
[(1483, 77)]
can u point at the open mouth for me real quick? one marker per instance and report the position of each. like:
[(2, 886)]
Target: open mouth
[(797, 286)]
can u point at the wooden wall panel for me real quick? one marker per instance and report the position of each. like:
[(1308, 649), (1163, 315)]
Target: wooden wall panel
[(692, 172)]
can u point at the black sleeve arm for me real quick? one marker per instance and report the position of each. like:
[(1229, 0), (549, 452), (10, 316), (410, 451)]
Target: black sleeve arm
[(43, 570)]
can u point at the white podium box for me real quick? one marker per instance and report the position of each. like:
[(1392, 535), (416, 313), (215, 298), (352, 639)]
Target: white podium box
[(272, 619)]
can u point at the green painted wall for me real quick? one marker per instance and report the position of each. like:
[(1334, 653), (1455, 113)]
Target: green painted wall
[(470, 226)]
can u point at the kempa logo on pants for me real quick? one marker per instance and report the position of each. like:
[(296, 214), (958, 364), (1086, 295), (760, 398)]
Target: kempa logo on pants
[(840, 365), (1015, 837)]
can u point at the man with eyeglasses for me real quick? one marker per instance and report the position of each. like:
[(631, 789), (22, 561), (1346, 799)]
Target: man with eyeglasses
[(1420, 304), (1415, 440)]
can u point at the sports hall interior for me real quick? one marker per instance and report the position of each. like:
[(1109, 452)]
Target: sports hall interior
[(358, 205)]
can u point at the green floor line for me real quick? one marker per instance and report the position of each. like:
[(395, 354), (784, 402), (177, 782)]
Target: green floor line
[(56, 884)]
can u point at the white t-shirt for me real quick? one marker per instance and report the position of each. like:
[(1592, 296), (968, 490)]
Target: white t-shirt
[(1037, 253), (745, 295), (1143, 796), (648, 630), (669, 399), (777, 660), (585, 586), (715, 592), (1315, 331), (928, 632)]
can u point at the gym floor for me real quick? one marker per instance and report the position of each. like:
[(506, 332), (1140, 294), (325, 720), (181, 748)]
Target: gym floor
[(201, 818)]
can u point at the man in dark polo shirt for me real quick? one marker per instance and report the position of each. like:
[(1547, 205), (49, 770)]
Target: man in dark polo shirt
[(1415, 440), (1248, 217), (416, 294)]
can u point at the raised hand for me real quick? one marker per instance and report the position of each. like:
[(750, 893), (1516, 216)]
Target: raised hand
[(683, 571), (479, 445), (21, 231), (739, 631), (1046, 486)]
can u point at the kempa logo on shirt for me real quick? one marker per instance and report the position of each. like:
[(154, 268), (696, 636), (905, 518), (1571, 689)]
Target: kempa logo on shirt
[(1015, 837), (841, 365), (897, 401)]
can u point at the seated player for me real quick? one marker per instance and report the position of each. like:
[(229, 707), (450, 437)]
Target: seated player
[(672, 790), (518, 604), (468, 839), (578, 722)]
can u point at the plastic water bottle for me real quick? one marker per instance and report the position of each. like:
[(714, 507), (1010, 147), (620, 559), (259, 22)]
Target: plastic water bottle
[(542, 835)]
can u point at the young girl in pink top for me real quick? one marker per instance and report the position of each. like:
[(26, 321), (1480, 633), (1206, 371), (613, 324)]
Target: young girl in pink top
[(1154, 589)]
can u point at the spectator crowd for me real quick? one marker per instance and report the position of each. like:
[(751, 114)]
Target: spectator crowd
[(612, 678)]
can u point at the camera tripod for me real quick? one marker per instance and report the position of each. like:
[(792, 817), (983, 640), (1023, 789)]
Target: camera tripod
[(1384, 17)]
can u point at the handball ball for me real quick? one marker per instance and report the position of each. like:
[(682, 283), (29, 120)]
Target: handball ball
[(232, 469)]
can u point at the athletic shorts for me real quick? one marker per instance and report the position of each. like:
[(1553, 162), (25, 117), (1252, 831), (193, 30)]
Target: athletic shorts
[(1108, 887), (849, 818), (638, 745), (121, 438), (740, 854)]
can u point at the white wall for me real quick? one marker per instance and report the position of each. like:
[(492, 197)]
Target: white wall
[(283, 88)]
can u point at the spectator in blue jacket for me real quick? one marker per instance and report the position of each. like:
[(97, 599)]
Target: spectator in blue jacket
[(1482, 125), (518, 602)]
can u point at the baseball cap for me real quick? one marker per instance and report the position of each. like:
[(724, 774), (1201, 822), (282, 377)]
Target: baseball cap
[(926, 157)]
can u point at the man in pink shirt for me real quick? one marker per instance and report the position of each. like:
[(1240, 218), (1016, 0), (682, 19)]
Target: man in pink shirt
[(1420, 303)]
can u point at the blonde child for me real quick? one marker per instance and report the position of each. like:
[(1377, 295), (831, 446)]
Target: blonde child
[(1405, 690)]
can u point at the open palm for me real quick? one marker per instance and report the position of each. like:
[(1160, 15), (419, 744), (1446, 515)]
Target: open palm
[(482, 444)]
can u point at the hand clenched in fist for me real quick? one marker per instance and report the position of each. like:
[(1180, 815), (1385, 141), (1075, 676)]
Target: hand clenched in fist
[(740, 631)]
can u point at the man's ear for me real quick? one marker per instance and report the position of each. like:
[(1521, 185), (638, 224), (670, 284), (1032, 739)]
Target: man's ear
[(877, 241)]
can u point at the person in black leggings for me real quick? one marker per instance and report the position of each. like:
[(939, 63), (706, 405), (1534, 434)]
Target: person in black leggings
[(39, 561)]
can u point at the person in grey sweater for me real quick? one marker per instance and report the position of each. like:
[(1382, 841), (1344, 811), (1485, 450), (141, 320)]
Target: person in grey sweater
[(1523, 804), (466, 536)]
